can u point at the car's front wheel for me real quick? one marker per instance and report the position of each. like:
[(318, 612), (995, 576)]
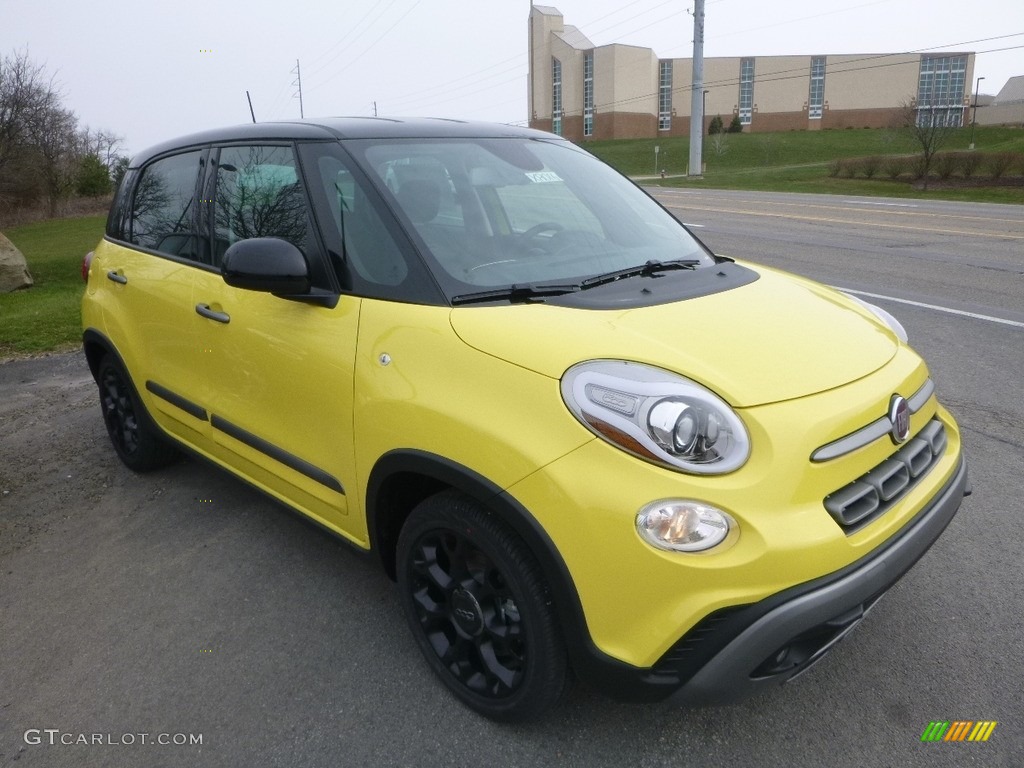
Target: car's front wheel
[(480, 609), (135, 438)]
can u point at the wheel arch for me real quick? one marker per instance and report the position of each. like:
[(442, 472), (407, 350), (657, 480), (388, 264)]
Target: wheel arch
[(403, 478), (96, 347)]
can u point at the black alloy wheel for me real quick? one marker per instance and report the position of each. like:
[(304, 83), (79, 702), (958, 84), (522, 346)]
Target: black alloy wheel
[(477, 603), (135, 438)]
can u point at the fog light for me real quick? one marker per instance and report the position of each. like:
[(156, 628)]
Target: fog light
[(681, 525)]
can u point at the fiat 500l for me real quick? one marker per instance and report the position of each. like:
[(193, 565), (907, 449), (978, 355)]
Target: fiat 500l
[(577, 438)]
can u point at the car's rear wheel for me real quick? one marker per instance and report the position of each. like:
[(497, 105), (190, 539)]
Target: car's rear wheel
[(480, 609), (135, 438)]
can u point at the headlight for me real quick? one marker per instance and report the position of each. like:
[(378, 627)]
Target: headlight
[(885, 317), (657, 416)]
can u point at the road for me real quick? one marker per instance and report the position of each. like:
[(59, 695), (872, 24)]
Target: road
[(184, 603)]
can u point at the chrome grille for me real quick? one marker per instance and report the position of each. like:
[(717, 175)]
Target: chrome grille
[(872, 495)]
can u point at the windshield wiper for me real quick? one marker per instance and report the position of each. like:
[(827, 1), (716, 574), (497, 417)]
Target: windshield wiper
[(516, 293), (649, 269)]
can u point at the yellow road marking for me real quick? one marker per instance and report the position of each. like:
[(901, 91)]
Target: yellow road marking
[(869, 209), (846, 221)]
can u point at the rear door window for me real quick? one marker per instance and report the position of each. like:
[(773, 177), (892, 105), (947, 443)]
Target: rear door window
[(258, 194)]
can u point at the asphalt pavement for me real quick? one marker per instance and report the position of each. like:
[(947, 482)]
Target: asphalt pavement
[(183, 607)]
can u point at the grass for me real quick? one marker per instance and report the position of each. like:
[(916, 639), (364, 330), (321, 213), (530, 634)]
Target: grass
[(47, 316), (798, 161)]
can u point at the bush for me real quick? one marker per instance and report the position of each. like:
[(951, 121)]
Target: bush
[(969, 162), (717, 126), (720, 143), (736, 126), (93, 178), (917, 168), (833, 168), (999, 163), (946, 164), (869, 166), (895, 167)]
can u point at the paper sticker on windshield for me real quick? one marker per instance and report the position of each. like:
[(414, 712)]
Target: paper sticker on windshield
[(543, 177)]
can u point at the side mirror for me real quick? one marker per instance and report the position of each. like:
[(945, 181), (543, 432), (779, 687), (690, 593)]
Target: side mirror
[(266, 264)]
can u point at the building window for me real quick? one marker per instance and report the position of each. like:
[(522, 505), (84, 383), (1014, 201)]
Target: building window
[(556, 97), (665, 96), (816, 99), (940, 90), (746, 91), (588, 94)]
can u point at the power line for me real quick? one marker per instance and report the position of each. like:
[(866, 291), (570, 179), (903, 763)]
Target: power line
[(410, 100), (479, 90), (448, 83), (801, 18), (352, 31), (431, 97), (620, 9), (635, 17), (383, 34)]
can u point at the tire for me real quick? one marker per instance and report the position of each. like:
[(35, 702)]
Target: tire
[(134, 436), (480, 610)]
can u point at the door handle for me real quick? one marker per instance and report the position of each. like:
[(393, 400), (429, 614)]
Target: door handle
[(117, 277), (205, 311)]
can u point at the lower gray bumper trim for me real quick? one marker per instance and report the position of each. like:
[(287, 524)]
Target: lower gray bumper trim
[(727, 676)]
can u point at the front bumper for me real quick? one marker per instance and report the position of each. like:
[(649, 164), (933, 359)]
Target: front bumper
[(737, 652)]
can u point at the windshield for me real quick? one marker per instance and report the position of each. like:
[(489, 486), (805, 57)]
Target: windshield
[(501, 212)]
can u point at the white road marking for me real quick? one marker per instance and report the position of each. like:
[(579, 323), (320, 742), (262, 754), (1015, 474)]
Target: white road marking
[(890, 205), (937, 308)]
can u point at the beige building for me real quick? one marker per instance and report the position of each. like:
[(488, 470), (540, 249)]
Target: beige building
[(583, 91), (1007, 108)]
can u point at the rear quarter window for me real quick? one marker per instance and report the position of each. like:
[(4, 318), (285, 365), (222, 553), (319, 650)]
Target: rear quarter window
[(118, 218), (164, 205)]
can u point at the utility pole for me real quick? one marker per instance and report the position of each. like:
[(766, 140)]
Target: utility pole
[(298, 83), (697, 94)]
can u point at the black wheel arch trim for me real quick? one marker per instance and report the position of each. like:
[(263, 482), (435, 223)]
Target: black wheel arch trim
[(97, 346), (589, 663)]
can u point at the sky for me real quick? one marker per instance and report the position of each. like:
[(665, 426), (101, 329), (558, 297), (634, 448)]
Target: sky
[(151, 71)]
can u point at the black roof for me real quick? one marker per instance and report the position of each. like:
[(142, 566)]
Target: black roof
[(334, 128)]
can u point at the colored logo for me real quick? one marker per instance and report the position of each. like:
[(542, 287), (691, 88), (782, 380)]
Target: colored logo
[(958, 730)]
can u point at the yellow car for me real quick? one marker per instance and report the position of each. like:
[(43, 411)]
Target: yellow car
[(576, 438)]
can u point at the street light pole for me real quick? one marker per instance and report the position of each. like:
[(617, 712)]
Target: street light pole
[(974, 117)]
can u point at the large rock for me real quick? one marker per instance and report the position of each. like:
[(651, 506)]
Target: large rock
[(13, 268)]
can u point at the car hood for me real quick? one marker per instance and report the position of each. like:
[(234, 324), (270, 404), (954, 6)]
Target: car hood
[(777, 338)]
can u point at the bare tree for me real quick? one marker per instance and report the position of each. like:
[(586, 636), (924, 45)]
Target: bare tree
[(928, 130), (106, 145), (41, 145), (56, 143), (25, 95)]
